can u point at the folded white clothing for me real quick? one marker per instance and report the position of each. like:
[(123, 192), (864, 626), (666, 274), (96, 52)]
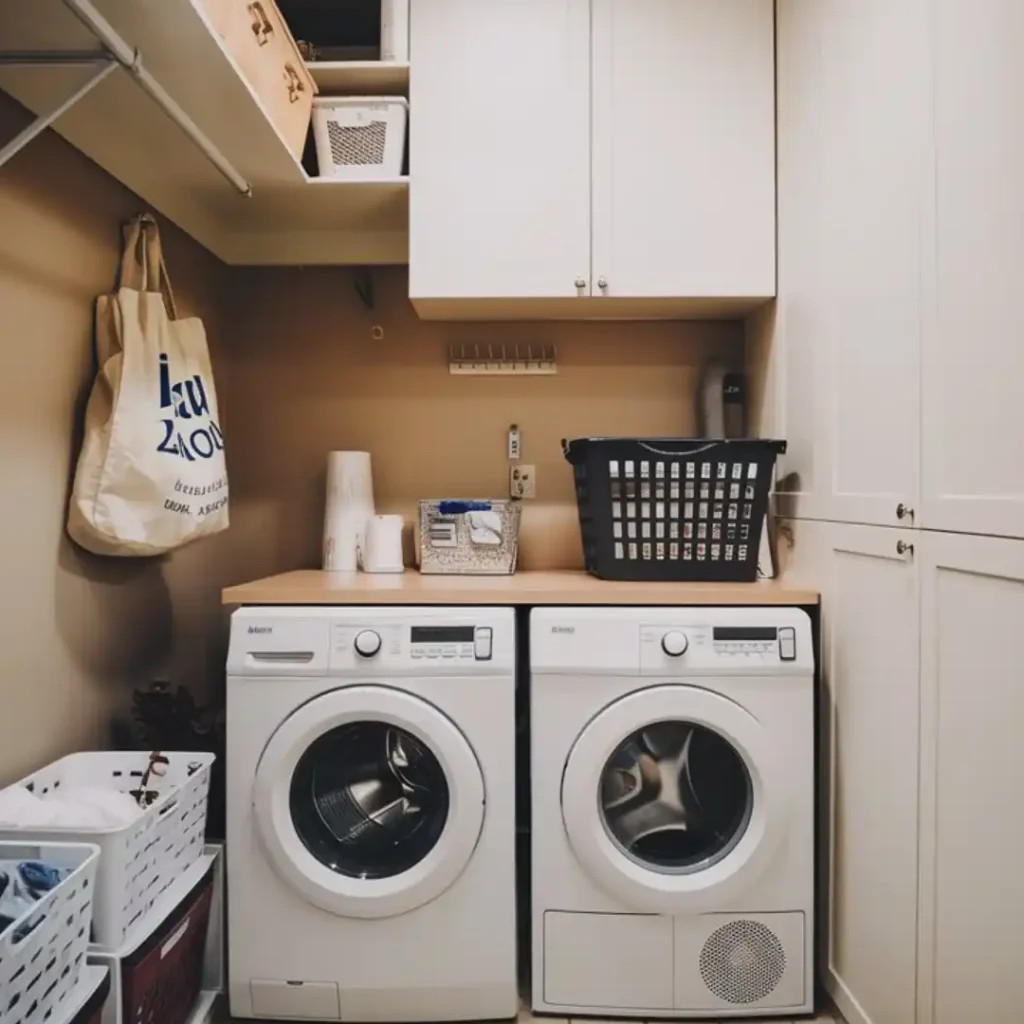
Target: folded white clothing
[(74, 807)]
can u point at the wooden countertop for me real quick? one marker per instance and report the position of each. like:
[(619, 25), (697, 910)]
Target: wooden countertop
[(310, 586)]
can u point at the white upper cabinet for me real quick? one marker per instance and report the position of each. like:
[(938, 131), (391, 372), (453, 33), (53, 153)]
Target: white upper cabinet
[(683, 149), (500, 149), (591, 158), (856, 210), (974, 370)]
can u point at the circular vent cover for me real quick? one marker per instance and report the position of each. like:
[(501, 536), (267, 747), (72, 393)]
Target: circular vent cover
[(742, 962)]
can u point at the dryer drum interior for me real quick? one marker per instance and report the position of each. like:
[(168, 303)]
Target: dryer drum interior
[(369, 799), (676, 796)]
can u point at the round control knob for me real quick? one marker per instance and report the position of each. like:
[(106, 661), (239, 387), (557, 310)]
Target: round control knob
[(368, 643), (674, 644)]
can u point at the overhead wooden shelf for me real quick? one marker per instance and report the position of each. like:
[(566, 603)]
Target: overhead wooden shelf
[(289, 219), (361, 77)]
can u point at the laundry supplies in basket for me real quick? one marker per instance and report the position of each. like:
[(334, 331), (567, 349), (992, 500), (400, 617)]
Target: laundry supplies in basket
[(141, 857), (672, 508), (46, 904)]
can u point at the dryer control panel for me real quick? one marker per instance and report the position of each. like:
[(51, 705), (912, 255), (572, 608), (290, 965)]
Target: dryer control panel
[(672, 642), (700, 645)]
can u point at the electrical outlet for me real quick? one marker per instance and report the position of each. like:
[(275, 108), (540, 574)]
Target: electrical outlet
[(522, 482)]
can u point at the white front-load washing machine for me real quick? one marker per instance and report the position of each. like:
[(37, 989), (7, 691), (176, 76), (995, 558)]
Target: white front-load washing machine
[(672, 754), (371, 814)]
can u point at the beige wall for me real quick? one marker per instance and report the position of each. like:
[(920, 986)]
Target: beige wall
[(298, 375), (76, 632), (307, 378)]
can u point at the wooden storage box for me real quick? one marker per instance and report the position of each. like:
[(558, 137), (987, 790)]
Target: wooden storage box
[(257, 37)]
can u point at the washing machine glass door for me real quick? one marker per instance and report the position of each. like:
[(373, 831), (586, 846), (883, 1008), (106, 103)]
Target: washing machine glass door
[(672, 800), (369, 801)]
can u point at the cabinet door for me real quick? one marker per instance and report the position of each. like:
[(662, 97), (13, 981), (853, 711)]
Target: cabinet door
[(871, 675), (974, 373), (796, 361), (499, 149), (972, 885), (684, 148)]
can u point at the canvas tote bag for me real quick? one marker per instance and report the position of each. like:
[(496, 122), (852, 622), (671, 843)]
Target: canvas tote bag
[(151, 475)]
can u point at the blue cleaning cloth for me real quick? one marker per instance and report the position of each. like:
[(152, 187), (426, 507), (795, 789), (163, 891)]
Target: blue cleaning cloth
[(22, 885)]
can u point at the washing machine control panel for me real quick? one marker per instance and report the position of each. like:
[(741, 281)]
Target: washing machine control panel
[(403, 647)]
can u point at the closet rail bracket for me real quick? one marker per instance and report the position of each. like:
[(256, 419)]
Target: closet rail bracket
[(115, 53)]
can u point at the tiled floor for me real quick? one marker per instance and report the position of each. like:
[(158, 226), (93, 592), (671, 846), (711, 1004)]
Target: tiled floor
[(526, 1017)]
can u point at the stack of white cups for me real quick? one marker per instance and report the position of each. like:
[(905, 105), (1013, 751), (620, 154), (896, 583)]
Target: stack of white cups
[(354, 536)]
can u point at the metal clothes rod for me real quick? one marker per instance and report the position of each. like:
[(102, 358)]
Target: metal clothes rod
[(118, 53), (131, 60), (40, 124)]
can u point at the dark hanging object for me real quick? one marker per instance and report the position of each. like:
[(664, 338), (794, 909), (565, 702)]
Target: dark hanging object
[(166, 718)]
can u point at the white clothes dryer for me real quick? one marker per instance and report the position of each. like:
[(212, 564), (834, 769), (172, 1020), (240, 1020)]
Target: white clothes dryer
[(672, 754), (371, 814)]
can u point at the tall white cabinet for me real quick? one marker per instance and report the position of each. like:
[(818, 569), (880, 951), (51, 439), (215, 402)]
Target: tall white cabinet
[(901, 262), (923, 705), (897, 377), (973, 455), (591, 158)]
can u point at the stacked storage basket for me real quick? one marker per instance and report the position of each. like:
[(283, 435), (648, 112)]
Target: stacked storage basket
[(132, 865), (137, 861), (672, 509), (42, 952)]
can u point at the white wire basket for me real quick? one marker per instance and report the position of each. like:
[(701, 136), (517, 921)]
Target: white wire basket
[(140, 860), (360, 136), (42, 952)]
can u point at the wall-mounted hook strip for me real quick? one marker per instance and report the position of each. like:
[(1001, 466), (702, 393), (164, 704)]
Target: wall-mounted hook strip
[(503, 360)]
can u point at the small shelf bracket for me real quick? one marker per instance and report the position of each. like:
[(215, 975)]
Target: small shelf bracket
[(115, 53), (103, 66)]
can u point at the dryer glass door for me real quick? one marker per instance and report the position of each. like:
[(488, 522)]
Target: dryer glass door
[(676, 796), (672, 799), (369, 801)]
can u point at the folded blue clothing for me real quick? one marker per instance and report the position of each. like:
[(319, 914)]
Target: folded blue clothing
[(22, 884)]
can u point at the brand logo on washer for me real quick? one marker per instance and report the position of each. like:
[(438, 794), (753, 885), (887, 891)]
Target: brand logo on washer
[(261, 630), (563, 629)]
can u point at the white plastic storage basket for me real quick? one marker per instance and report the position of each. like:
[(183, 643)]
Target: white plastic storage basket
[(360, 136), (138, 861), (42, 952)]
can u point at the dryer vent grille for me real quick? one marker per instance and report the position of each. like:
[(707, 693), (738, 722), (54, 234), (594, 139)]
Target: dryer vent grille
[(742, 962)]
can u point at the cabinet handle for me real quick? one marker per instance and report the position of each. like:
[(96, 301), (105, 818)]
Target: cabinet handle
[(262, 27), (904, 511), (602, 283), (903, 548), (581, 284), (294, 82)]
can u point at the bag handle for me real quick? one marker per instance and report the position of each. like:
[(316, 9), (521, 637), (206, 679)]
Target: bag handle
[(142, 261)]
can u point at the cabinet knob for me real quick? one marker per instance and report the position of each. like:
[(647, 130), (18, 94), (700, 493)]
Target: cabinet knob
[(903, 548), (602, 283), (904, 511), (581, 283)]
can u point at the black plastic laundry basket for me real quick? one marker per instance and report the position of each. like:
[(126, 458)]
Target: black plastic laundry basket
[(678, 509)]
